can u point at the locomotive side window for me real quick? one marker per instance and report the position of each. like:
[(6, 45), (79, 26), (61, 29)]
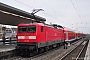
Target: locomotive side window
[(41, 28), (22, 29), (31, 28)]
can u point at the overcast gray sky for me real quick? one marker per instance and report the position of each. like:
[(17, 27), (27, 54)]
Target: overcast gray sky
[(74, 14)]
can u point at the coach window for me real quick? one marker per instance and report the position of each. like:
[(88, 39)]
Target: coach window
[(41, 28)]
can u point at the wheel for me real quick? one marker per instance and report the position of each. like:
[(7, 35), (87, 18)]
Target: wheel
[(40, 50), (46, 48)]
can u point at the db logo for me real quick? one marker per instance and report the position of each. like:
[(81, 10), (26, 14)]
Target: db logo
[(26, 37)]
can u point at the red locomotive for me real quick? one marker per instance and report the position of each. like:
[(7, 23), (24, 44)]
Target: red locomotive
[(41, 37)]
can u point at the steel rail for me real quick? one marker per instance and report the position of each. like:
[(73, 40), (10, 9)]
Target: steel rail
[(81, 50), (71, 51)]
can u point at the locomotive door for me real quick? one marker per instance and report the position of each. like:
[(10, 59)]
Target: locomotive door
[(66, 34), (46, 36)]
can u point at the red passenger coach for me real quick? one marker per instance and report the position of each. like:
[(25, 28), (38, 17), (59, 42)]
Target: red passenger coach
[(36, 36), (69, 35), (80, 35)]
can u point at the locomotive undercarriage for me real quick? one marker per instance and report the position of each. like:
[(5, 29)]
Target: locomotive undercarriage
[(33, 48), (26, 48)]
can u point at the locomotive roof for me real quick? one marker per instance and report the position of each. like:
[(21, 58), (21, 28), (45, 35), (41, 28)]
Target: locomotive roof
[(23, 24), (41, 24)]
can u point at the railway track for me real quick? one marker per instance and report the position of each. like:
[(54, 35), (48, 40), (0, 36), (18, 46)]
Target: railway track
[(76, 53)]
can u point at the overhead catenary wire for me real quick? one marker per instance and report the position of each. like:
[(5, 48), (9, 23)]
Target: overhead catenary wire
[(58, 12), (28, 6), (42, 12), (55, 18), (23, 4), (53, 10), (49, 6), (76, 10)]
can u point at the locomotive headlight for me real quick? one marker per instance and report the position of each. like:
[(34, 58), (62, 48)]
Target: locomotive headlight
[(32, 37), (21, 37)]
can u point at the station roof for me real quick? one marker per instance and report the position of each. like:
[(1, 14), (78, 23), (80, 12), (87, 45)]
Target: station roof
[(13, 16)]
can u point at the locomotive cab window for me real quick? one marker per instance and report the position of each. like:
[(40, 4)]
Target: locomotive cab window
[(31, 28), (27, 29), (22, 29), (41, 28)]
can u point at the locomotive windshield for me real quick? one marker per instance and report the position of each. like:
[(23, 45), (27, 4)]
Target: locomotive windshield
[(31, 28), (22, 29), (27, 29)]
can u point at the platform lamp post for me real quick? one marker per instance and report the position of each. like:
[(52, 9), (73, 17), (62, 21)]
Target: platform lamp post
[(35, 11)]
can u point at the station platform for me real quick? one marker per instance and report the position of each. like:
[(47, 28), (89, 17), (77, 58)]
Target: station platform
[(87, 55), (6, 47)]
